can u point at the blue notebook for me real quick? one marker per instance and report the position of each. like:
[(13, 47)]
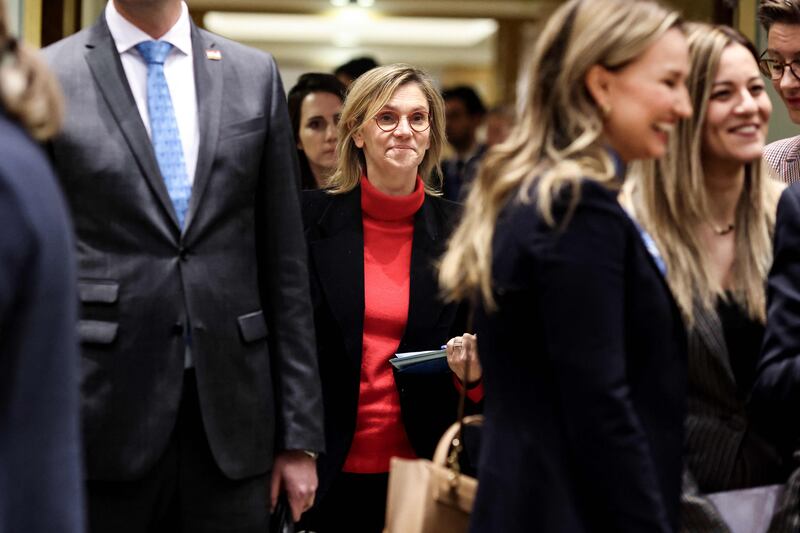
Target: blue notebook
[(426, 362)]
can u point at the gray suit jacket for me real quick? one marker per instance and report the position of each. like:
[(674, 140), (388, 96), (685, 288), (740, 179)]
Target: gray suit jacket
[(234, 280)]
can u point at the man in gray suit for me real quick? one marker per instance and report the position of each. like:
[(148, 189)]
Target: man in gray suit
[(177, 160)]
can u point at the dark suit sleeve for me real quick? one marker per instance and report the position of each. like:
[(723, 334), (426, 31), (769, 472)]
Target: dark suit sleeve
[(775, 398), (40, 456), (284, 280), (15, 254), (583, 307)]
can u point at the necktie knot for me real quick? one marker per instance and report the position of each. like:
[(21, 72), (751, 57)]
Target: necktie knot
[(154, 52)]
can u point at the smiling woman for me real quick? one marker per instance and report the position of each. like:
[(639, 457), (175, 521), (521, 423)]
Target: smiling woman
[(363, 143), (395, 143), (710, 206), (373, 237), (583, 348)]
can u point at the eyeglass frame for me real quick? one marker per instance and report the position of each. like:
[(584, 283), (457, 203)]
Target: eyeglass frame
[(399, 117), (764, 59)]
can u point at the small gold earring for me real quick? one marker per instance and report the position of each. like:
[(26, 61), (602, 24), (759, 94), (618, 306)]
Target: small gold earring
[(605, 110)]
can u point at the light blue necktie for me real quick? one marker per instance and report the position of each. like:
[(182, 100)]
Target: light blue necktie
[(164, 128)]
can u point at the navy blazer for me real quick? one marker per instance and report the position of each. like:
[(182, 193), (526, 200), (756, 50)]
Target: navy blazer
[(776, 393), (41, 487), (334, 231), (585, 377)]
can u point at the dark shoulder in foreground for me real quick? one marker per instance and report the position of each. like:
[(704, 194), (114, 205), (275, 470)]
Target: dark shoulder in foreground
[(593, 196), (23, 163), (791, 194)]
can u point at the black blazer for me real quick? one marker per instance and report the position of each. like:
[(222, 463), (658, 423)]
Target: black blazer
[(234, 276), (724, 451), (40, 456), (585, 377), (333, 226)]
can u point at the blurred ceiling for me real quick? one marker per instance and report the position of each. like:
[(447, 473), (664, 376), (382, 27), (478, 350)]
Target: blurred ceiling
[(321, 34)]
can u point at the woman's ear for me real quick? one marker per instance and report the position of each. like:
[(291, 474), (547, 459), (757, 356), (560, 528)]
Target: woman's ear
[(358, 139), (598, 82)]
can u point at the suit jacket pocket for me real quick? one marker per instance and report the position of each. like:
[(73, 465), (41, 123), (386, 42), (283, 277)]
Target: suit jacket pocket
[(252, 326), (97, 331), (242, 128), (98, 291)]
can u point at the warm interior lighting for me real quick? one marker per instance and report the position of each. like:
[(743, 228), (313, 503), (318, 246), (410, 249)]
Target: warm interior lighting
[(362, 3), (361, 26)]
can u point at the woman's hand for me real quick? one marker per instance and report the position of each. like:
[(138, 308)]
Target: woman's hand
[(463, 351)]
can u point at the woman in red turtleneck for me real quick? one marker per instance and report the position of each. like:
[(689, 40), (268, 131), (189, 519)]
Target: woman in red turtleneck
[(374, 236)]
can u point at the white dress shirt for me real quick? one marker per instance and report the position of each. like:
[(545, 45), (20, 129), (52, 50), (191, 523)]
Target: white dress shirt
[(178, 69)]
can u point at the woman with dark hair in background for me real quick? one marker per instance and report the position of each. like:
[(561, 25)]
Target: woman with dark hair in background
[(315, 104)]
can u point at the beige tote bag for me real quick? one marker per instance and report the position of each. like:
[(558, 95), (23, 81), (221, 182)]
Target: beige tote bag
[(432, 496)]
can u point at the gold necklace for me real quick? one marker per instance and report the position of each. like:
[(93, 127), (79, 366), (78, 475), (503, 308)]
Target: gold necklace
[(722, 231)]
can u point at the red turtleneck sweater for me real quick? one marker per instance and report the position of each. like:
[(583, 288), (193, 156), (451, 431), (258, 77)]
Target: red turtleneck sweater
[(388, 236)]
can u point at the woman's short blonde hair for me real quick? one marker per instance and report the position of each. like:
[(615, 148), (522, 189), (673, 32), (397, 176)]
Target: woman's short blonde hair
[(366, 96)]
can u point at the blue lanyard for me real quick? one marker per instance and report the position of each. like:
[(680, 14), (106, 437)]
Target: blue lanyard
[(650, 245)]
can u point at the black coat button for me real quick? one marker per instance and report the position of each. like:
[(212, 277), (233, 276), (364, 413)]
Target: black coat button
[(183, 253)]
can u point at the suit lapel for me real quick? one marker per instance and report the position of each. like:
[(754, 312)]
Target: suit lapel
[(339, 260), (208, 85), (709, 330), (103, 60), (424, 307)]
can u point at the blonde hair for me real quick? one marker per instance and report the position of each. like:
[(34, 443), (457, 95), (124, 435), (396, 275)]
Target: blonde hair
[(558, 140), (29, 93), (670, 197), (366, 96)]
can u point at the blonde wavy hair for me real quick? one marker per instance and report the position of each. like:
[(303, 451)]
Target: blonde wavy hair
[(558, 139), (670, 198), (29, 92), (366, 96)]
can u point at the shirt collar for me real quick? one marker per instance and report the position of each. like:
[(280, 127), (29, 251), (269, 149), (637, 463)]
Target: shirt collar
[(620, 168), (126, 35)]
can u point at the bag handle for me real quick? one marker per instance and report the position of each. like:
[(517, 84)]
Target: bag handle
[(440, 456), (451, 440)]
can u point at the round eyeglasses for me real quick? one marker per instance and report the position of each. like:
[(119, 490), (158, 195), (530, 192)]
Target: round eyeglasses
[(389, 120), (774, 69)]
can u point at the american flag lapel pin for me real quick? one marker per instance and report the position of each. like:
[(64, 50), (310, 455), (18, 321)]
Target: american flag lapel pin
[(214, 55)]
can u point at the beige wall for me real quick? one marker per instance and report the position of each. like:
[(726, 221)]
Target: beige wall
[(694, 9), (90, 10), (14, 15), (31, 31)]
